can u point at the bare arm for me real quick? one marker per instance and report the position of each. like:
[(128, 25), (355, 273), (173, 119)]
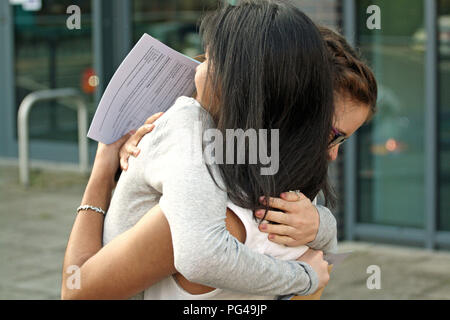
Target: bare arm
[(127, 265), (131, 262), (113, 272)]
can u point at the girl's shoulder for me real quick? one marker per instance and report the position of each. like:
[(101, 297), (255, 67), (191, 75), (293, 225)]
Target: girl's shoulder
[(184, 107), (186, 114), (178, 132), (185, 100)]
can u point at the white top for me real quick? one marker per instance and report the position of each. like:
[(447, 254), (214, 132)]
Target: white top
[(168, 288)]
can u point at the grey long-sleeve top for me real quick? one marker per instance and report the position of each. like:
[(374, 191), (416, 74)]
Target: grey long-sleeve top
[(169, 171)]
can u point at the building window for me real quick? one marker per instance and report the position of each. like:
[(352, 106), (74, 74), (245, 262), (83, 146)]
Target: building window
[(175, 23), (391, 147), (48, 55)]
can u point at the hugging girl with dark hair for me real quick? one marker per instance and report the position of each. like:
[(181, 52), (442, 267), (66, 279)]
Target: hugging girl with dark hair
[(270, 72), (176, 228)]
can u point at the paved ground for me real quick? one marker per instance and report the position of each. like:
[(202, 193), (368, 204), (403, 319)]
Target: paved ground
[(406, 273), (35, 225)]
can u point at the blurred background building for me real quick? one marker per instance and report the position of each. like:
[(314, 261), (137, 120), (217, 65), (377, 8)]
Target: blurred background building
[(393, 177)]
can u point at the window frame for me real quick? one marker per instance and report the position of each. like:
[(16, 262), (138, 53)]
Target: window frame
[(429, 237)]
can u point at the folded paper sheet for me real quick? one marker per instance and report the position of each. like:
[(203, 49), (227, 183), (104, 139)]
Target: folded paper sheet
[(148, 80)]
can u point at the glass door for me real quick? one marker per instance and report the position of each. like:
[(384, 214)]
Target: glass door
[(391, 148), (48, 55)]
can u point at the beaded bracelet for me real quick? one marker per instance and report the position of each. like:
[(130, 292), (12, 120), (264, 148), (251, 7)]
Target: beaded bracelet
[(88, 207)]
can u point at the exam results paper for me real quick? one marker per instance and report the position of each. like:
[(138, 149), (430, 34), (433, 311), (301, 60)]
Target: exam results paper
[(148, 81)]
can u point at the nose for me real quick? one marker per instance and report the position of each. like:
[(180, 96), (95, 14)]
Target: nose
[(333, 153)]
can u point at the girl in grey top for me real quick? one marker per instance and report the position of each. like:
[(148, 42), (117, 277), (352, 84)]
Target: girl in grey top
[(273, 74)]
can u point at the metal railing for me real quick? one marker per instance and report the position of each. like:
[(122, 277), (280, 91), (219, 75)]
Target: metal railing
[(23, 132)]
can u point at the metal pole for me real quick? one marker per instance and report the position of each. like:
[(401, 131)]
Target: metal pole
[(430, 117), (83, 147), (23, 133)]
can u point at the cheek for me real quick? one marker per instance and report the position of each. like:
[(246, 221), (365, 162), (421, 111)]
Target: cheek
[(200, 75), (196, 79)]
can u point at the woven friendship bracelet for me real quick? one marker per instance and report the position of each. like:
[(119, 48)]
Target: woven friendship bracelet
[(88, 207)]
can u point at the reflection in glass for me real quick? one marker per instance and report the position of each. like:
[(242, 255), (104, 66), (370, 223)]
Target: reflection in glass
[(48, 55), (391, 148), (175, 23)]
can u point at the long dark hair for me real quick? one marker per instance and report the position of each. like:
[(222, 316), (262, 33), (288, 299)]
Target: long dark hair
[(269, 70)]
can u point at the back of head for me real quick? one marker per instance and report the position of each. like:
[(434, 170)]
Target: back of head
[(351, 76), (269, 70)]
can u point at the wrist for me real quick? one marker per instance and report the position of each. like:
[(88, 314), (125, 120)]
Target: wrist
[(98, 193), (313, 278), (106, 162)]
